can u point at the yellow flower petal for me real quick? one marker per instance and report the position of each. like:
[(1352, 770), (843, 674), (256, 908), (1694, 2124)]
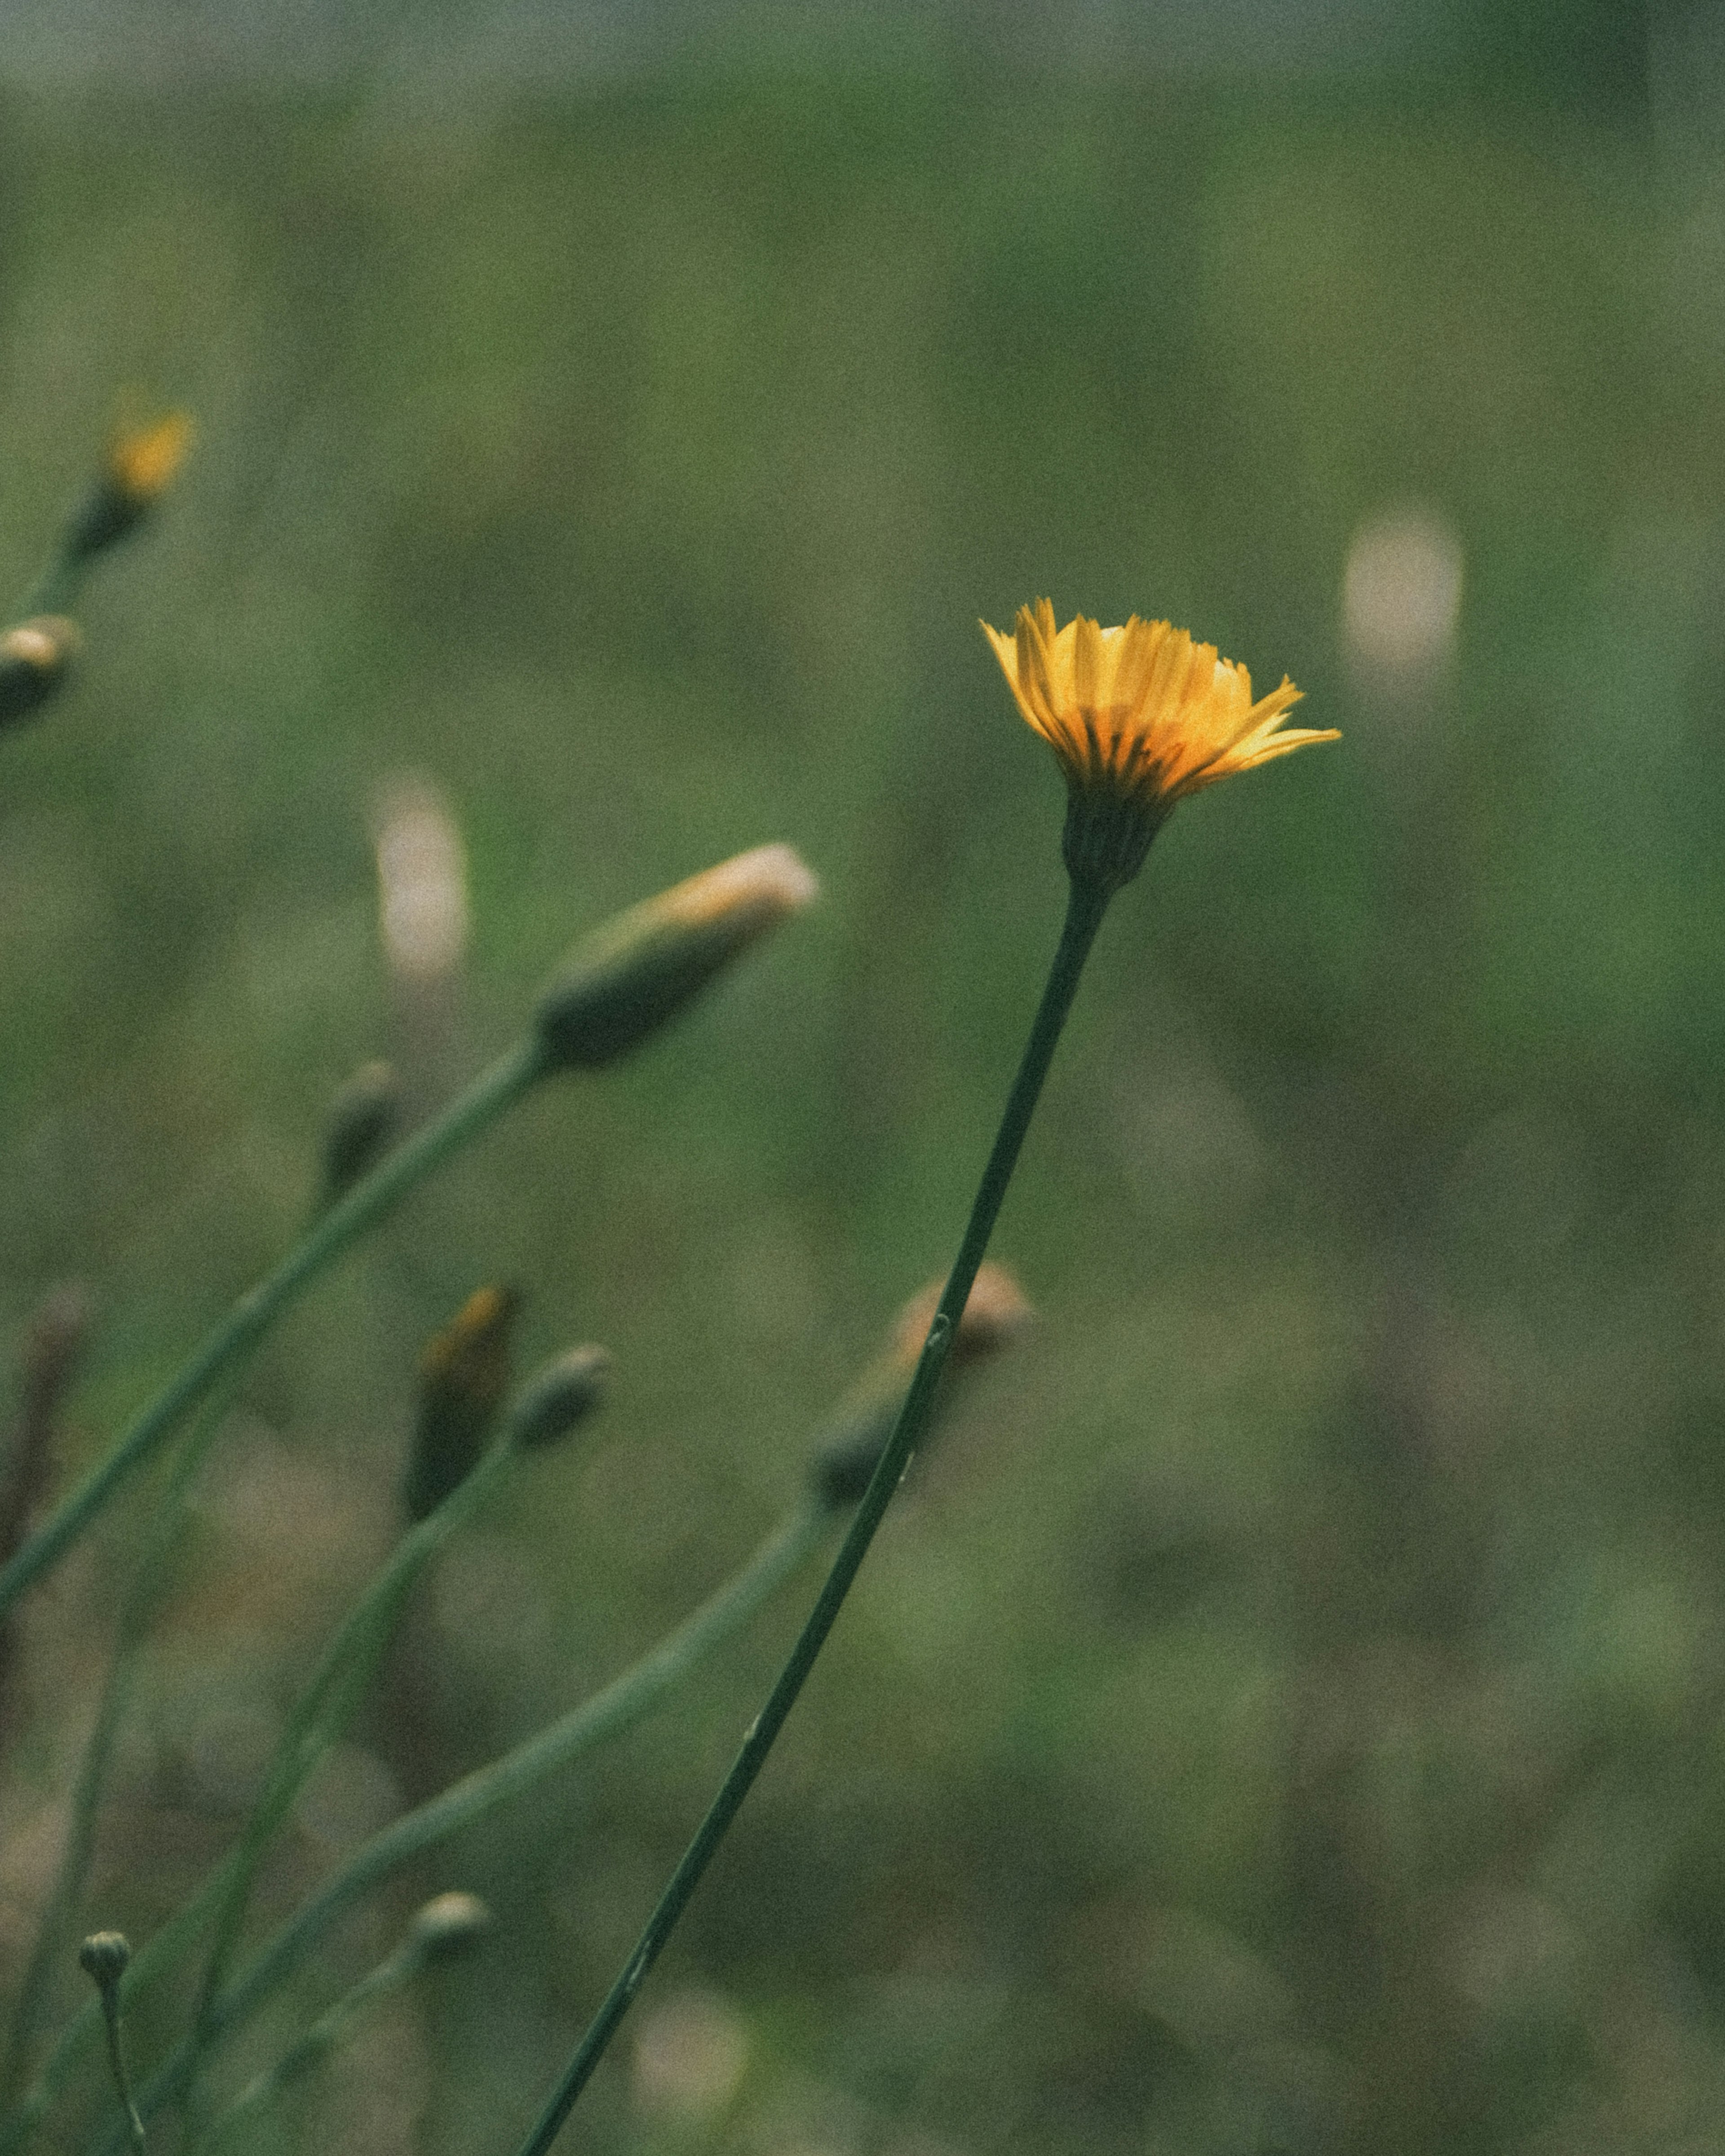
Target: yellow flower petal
[(1139, 716)]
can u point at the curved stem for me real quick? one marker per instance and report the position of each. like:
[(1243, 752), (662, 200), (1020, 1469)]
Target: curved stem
[(1087, 904), (475, 1111), (608, 1713)]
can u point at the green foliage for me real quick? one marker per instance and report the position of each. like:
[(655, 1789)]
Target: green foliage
[(1287, 1713)]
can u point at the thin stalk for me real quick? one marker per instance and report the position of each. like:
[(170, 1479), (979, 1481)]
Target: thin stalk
[(110, 2005), (390, 1974), (626, 1700), (1085, 907), (493, 1092), (143, 1600), (56, 1339), (326, 1706)]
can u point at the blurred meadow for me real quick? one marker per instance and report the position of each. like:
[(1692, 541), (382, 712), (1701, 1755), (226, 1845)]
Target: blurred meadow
[(1287, 1710)]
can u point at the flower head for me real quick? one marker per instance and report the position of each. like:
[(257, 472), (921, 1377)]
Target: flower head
[(464, 1374), (141, 464), (1139, 716)]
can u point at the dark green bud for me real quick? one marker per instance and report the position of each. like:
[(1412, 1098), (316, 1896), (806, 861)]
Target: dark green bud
[(556, 1398), (364, 1117)]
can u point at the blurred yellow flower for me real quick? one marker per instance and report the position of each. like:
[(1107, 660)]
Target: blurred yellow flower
[(1142, 710), (143, 464)]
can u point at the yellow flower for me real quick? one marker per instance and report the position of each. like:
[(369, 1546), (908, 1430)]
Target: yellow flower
[(1139, 716), (143, 463), (140, 465)]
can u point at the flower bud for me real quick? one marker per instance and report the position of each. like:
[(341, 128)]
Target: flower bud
[(141, 465), (35, 658), (996, 1313), (636, 972), (464, 1375), (447, 1923), (555, 1398), (105, 1958), (364, 1115)]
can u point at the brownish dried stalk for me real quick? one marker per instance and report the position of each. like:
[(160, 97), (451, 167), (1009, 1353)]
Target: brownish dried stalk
[(52, 1348)]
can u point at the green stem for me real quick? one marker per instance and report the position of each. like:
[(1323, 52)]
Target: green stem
[(608, 1713), (117, 2066), (325, 1708), (1087, 904), (476, 1110), (142, 1600), (325, 2033)]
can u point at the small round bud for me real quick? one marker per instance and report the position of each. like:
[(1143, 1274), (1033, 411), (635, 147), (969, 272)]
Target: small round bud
[(105, 1958), (36, 656), (634, 974), (364, 1114), (464, 1375), (556, 1398), (995, 1315), (449, 1923)]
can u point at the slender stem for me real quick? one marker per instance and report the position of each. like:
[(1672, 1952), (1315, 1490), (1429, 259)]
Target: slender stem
[(117, 2064), (398, 1969), (485, 1100), (1085, 907), (326, 1706), (143, 1599), (626, 1700)]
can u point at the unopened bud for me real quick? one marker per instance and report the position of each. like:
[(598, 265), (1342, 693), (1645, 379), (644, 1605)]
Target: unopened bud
[(35, 658), (447, 1923), (555, 1398), (634, 974), (464, 1375), (105, 1958), (362, 1120), (996, 1313), (141, 465)]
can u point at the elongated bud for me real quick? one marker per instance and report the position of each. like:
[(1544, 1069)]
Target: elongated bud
[(637, 971), (141, 465), (997, 1313), (364, 1114), (556, 1398), (464, 1375), (35, 659), (447, 1923)]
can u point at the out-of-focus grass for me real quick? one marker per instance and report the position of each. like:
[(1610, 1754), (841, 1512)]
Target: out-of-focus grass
[(1286, 1714)]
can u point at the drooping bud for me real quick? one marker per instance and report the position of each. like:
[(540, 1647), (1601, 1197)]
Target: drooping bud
[(141, 465), (634, 974), (364, 1113), (555, 1398), (464, 1375), (845, 1455), (36, 657)]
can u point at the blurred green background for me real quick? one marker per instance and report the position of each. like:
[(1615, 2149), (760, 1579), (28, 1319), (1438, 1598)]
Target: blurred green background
[(1286, 1712)]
